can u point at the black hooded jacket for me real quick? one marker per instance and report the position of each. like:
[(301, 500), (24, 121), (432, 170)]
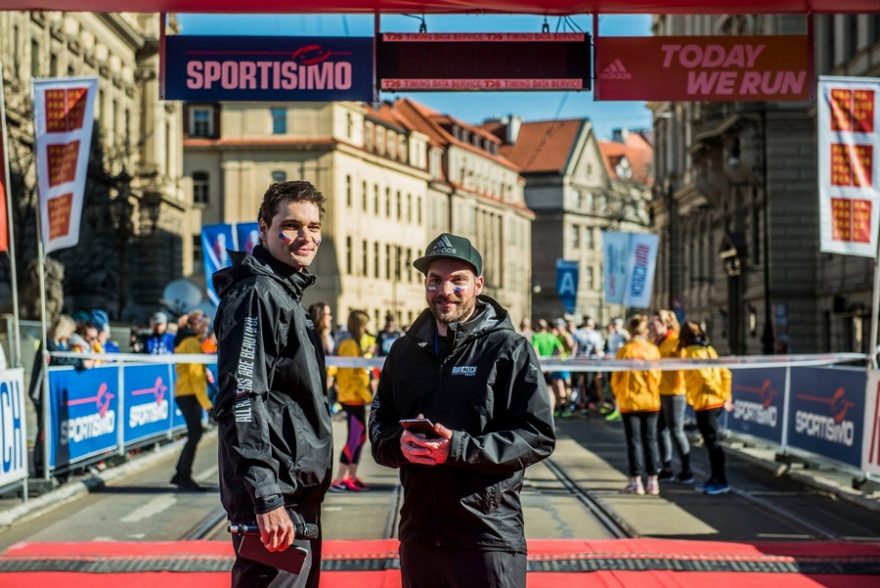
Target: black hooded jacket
[(275, 431), (484, 383)]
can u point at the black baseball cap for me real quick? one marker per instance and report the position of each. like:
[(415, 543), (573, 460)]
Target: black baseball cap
[(448, 246)]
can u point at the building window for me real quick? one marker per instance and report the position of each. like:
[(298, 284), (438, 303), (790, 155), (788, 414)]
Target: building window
[(349, 125), (53, 64), (364, 197), (201, 187), (376, 263), (35, 59), (388, 202), (127, 129), (591, 278), (399, 206), (348, 191), (201, 122), (365, 269), (589, 242), (376, 199), (409, 208), (279, 176), (419, 210), (368, 136), (348, 255), (388, 262), (576, 236), (279, 121)]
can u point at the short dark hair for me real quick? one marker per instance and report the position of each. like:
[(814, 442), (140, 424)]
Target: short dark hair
[(294, 191)]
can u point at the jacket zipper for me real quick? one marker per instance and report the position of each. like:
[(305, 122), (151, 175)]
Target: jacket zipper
[(443, 363)]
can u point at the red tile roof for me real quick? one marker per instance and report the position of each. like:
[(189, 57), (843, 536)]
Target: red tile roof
[(543, 146), (638, 153)]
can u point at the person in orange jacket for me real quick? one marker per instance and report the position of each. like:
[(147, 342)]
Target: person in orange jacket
[(709, 393), (673, 401), (638, 400)]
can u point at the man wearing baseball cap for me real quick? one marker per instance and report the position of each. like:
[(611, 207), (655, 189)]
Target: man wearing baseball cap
[(462, 366), (160, 342)]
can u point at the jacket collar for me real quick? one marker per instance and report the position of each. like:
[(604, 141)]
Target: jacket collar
[(297, 281)]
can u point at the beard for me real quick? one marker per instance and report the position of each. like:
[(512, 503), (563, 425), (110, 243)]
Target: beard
[(461, 308)]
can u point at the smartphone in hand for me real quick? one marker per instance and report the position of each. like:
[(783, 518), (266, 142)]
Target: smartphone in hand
[(419, 426)]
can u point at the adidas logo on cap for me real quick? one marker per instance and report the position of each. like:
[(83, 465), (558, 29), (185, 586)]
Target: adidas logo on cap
[(615, 71), (443, 246)]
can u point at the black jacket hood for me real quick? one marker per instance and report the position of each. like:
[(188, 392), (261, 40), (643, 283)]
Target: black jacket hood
[(261, 262), (489, 316)]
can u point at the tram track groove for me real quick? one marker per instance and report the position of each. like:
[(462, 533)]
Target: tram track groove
[(206, 527)]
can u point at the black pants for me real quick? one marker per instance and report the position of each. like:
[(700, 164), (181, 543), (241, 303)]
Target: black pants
[(707, 422), (192, 414), (641, 443), (250, 574), (436, 567)]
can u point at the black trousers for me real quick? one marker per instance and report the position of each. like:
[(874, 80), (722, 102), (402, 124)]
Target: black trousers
[(437, 567), (192, 414), (707, 422), (641, 443), (250, 574)]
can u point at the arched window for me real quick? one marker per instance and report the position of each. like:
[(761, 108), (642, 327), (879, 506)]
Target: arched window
[(201, 187), (279, 176)]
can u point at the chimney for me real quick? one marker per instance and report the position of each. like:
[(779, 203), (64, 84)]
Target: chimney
[(512, 123), (619, 135)]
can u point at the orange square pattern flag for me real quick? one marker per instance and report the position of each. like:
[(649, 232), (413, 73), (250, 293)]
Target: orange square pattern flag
[(4, 175), (849, 174), (64, 114)]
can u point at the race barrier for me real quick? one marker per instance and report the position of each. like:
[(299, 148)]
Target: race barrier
[(796, 402)]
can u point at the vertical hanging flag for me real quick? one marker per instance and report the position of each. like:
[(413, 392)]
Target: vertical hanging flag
[(849, 177), (63, 120), (4, 174), (641, 264), (615, 248), (248, 236), (216, 241), (567, 273)]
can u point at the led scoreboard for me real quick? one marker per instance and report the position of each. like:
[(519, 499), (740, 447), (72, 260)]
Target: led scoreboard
[(483, 61)]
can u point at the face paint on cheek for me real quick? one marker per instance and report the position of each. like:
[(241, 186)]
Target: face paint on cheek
[(432, 288), (285, 238), (459, 290)]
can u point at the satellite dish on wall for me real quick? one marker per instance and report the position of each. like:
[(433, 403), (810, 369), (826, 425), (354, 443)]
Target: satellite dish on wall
[(181, 296)]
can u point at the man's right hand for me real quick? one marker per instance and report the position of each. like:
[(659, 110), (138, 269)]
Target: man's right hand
[(276, 529)]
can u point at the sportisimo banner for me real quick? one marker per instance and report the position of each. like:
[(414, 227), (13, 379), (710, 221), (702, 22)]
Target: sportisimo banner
[(214, 68), (759, 403), (13, 433), (149, 400)]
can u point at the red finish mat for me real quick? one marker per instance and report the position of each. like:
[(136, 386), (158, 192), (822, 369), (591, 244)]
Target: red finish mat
[(542, 553)]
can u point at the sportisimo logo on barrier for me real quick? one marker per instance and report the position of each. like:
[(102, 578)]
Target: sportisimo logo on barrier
[(12, 435), (833, 425), (83, 428), (758, 403), (762, 412), (150, 412)]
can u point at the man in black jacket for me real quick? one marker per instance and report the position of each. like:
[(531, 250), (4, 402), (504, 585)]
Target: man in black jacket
[(462, 366), (275, 438)]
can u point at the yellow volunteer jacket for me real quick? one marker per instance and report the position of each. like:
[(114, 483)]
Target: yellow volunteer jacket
[(671, 383), (353, 384), (707, 388), (637, 391), (191, 379)]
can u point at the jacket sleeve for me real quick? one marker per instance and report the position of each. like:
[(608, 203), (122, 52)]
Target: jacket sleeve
[(385, 430), (246, 346), (528, 435)]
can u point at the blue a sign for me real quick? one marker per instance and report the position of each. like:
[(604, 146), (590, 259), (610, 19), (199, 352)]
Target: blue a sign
[(281, 69), (759, 398), (827, 414), (13, 436), (149, 401), (84, 413), (567, 273)]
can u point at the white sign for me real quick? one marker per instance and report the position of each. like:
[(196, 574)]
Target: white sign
[(63, 119), (13, 434), (849, 176), (615, 247), (630, 263), (871, 435)]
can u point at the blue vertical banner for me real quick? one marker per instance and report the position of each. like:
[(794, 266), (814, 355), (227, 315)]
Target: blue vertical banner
[(759, 403), (247, 236), (84, 408), (567, 274), (148, 401), (13, 433), (615, 250), (216, 241), (641, 265), (827, 414)]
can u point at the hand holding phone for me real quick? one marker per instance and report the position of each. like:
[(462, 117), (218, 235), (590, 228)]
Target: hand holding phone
[(420, 426)]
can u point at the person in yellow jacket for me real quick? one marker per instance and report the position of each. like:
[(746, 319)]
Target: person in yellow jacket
[(354, 393), (637, 393), (709, 393), (191, 396), (673, 401)]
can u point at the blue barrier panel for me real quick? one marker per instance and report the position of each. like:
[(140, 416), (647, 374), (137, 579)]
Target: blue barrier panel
[(13, 435), (148, 401), (758, 399), (827, 412), (84, 406)]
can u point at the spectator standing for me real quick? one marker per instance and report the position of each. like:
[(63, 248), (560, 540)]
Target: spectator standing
[(387, 336), (160, 341), (709, 393), (547, 345), (638, 399)]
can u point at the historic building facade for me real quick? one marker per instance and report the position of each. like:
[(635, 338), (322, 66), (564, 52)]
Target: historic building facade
[(135, 205)]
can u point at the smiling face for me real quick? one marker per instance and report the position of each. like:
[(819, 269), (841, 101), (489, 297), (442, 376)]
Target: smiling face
[(451, 290), (294, 235)]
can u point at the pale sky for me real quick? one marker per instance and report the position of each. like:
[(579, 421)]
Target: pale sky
[(472, 107)]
